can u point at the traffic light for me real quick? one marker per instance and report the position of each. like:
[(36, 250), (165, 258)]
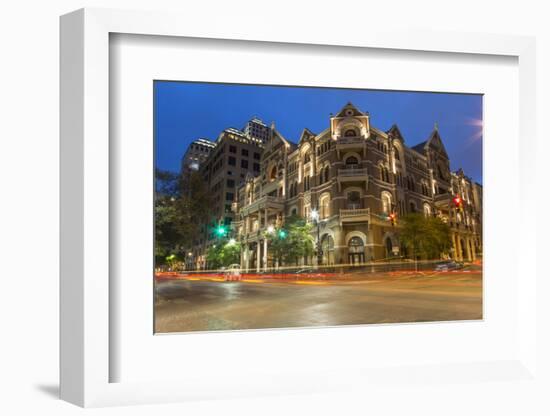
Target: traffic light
[(221, 230), (282, 234), (458, 202), (393, 218)]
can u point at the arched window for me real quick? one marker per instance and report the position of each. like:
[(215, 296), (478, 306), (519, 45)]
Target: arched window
[(396, 153), (307, 158), (412, 207), (327, 170), (353, 200), (350, 133), (386, 202), (355, 245), (327, 246), (384, 173), (324, 207), (424, 188), (273, 174), (352, 162), (410, 183)]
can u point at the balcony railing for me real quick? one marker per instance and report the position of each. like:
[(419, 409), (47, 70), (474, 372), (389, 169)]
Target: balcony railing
[(349, 140), (354, 213), (352, 172)]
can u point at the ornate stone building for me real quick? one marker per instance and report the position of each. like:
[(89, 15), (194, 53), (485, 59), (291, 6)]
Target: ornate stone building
[(353, 176)]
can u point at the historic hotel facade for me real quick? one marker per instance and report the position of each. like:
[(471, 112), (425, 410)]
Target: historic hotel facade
[(354, 176)]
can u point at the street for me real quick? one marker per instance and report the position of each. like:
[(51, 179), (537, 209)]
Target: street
[(203, 304)]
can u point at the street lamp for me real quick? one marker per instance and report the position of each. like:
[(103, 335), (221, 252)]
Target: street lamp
[(315, 218)]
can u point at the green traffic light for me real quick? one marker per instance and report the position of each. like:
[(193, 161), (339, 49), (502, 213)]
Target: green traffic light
[(282, 234), (220, 231)]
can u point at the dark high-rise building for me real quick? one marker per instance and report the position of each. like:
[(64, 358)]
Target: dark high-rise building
[(236, 155), (196, 154), (256, 129)]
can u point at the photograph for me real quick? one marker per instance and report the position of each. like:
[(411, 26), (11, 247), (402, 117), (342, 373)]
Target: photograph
[(298, 207)]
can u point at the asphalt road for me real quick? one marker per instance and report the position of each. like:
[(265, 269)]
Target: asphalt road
[(202, 305)]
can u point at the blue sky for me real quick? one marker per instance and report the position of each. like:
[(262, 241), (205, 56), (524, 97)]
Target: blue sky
[(186, 111)]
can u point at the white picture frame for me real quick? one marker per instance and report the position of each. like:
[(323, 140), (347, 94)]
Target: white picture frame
[(86, 356)]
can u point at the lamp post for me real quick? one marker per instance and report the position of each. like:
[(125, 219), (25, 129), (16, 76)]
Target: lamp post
[(315, 218)]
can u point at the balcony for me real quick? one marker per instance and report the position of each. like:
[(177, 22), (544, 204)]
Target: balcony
[(265, 202), (355, 215), (352, 175), (271, 186), (342, 141)]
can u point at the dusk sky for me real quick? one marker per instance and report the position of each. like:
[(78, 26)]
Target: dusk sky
[(186, 111)]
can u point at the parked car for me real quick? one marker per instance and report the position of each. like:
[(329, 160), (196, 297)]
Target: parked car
[(232, 272), (448, 266)]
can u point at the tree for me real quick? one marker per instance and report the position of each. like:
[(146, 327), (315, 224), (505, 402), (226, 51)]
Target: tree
[(293, 241), (181, 206), (223, 254), (167, 183), (213, 256), (427, 237), (230, 253)]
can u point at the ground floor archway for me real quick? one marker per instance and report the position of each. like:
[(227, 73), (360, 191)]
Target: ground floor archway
[(356, 250), (327, 246)]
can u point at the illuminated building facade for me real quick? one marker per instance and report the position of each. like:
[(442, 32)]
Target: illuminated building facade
[(355, 177)]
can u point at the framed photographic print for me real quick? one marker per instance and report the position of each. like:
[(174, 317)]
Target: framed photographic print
[(269, 214)]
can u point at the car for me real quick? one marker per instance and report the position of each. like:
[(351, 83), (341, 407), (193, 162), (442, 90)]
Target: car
[(448, 266), (310, 273), (232, 273)]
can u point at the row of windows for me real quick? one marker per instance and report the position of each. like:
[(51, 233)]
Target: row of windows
[(307, 183), (232, 161), (292, 167), (382, 147), (293, 190), (323, 148), (244, 152), (384, 174), (200, 148)]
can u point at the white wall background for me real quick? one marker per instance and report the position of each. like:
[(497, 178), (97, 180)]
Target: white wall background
[(29, 204)]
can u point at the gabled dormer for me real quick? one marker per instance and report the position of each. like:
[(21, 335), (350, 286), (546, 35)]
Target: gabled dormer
[(435, 143), (395, 133), (349, 110), (306, 136), (350, 123)]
